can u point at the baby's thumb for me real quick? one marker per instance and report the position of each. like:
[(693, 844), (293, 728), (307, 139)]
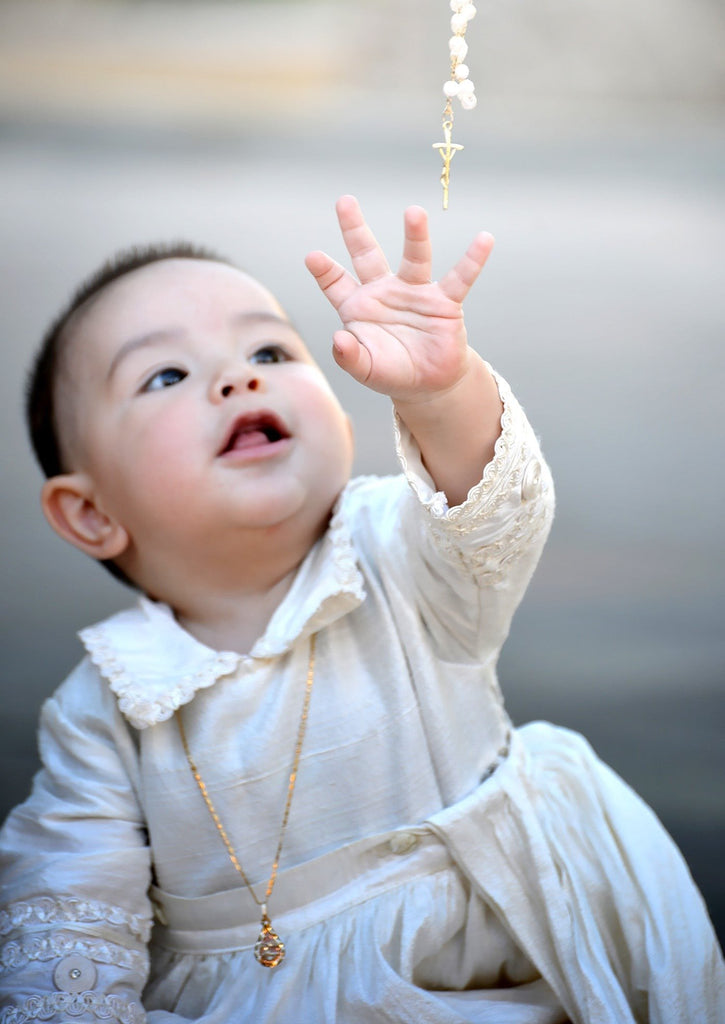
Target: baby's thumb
[(351, 356)]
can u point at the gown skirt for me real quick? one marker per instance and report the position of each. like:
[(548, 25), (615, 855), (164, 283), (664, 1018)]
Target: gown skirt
[(550, 894)]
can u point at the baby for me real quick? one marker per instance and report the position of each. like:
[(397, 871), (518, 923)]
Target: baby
[(293, 754)]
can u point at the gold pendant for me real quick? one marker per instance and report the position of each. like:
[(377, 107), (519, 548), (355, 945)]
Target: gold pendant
[(269, 948)]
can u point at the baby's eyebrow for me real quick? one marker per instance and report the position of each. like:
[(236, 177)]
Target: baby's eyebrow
[(143, 341), (158, 337), (261, 315)]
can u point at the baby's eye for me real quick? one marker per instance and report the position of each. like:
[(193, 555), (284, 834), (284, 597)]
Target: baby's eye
[(165, 378), (270, 354)]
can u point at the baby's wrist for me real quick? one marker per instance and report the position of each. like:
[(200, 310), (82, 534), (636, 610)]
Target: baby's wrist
[(433, 401)]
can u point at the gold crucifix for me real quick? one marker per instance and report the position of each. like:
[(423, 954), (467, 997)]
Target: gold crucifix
[(447, 150)]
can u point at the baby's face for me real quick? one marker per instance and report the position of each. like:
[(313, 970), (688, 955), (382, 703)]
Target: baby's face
[(194, 406)]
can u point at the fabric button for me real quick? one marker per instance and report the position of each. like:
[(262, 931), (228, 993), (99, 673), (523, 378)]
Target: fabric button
[(403, 842), (75, 974), (531, 481)]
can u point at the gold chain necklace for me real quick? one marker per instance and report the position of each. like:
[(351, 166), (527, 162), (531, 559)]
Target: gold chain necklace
[(269, 948)]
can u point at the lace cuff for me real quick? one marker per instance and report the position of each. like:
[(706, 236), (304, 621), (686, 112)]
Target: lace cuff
[(44, 948), (504, 514), (48, 910), (62, 1004), (70, 958)]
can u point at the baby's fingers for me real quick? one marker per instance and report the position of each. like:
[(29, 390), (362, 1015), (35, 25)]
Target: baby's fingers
[(458, 281), (334, 280), (367, 257), (415, 266)]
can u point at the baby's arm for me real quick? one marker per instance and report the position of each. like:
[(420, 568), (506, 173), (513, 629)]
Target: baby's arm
[(74, 870), (404, 336)]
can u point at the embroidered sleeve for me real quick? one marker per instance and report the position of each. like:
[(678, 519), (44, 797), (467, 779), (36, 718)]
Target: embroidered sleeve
[(68, 942), (75, 919), (507, 514), (463, 571)]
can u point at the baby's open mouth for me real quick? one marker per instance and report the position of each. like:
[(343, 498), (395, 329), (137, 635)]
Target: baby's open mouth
[(253, 430)]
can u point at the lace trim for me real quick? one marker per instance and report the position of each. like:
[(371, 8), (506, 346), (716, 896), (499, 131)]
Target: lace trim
[(48, 1006), (147, 701), (140, 710), (490, 562), (42, 947), (485, 497), (47, 910), (345, 558), (502, 478), (493, 487), (348, 584)]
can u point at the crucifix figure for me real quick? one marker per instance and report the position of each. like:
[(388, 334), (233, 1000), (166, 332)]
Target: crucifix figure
[(447, 150)]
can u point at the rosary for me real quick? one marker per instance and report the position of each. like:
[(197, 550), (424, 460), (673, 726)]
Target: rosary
[(459, 86)]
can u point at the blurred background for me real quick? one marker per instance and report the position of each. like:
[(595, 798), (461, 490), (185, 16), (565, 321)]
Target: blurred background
[(596, 155)]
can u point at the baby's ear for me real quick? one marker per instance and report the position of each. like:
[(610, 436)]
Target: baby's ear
[(71, 508)]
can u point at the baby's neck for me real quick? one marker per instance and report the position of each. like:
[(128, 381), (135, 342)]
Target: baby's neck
[(225, 588), (233, 621)]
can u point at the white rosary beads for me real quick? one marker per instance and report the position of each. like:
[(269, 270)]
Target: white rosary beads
[(459, 85)]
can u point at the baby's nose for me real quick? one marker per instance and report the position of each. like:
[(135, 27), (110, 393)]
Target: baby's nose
[(233, 379)]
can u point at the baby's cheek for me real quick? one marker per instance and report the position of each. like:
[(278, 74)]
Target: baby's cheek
[(171, 441)]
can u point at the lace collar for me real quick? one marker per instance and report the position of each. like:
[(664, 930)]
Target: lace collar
[(154, 666)]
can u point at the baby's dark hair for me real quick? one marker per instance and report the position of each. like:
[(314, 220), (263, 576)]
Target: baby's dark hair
[(40, 397)]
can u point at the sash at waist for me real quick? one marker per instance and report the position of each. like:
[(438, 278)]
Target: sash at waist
[(303, 896)]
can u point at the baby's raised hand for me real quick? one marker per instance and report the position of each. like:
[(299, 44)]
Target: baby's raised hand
[(402, 335)]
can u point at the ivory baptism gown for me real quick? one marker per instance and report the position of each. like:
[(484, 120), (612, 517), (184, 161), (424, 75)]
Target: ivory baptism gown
[(439, 866)]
